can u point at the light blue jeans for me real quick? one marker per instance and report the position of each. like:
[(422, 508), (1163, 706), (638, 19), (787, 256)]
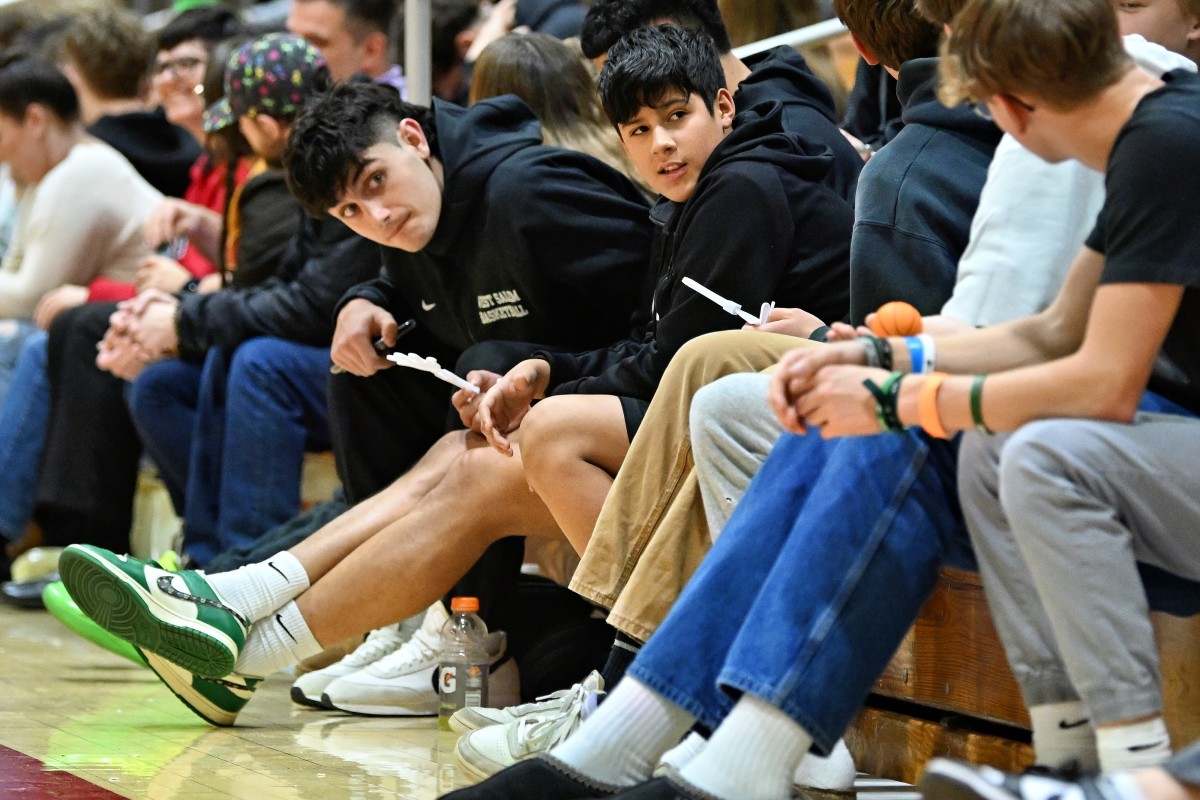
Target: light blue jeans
[(24, 416)]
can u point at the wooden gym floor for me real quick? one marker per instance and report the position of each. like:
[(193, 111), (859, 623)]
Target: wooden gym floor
[(77, 722)]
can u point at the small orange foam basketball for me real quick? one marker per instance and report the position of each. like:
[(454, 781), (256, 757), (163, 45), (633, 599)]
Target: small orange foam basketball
[(896, 319)]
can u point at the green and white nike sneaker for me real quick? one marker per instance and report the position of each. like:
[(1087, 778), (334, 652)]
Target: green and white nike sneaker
[(177, 615), (217, 702)]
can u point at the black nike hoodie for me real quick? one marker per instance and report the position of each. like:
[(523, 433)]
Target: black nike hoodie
[(534, 243), (759, 226)]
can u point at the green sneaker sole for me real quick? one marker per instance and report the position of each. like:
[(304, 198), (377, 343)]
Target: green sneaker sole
[(60, 605), (117, 604), (216, 702)]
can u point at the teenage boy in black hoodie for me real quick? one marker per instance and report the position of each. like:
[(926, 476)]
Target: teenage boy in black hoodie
[(486, 236), (341, 581), (779, 74)]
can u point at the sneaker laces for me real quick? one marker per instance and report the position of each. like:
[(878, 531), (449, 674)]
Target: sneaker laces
[(536, 734), (379, 643), (422, 647)]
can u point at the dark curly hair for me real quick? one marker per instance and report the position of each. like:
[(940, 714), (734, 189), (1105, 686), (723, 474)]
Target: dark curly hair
[(328, 139), (649, 62)]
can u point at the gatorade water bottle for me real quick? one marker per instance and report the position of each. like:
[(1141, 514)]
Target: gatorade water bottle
[(463, 679)]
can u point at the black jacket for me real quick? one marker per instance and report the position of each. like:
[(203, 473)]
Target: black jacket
[(162, 153), (759, 226), (534, 243), (781, 74), (918, 196), (323, 259), (268, 218)]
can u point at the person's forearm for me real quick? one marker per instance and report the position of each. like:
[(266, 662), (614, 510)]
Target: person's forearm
[(1046, 336), (18, 297), (207, 237), (1016, 344), (1066, 387)]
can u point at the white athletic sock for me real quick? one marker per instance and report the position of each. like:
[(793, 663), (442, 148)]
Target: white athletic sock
[(277, 642), (621, 742), (258, 590), (1139, 744), (1063, 736), (752, 755)]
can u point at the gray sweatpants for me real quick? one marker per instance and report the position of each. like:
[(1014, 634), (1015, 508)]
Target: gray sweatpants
[(733, 430), (1059, 513)]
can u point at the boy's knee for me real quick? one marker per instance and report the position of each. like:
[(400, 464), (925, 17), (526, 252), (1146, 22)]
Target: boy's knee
[(1036, 457), (545, 431), (729, 398), (700, 358)]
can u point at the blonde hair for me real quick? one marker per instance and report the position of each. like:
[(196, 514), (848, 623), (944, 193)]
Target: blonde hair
[(1063, 52), (557, 82)]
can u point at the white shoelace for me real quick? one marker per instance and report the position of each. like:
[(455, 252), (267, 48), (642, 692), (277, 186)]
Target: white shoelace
[(422, 647), (536, 734), (379, 643)]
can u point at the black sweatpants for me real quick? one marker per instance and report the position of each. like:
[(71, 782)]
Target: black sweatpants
[(90, 464)]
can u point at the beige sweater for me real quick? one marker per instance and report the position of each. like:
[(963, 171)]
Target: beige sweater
[(82, 220)]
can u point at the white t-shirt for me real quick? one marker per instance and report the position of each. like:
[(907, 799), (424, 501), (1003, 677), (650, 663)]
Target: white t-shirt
[(82, 220), (1032, 220)]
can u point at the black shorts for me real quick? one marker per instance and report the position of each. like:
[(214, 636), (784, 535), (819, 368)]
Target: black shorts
[(634, 411)]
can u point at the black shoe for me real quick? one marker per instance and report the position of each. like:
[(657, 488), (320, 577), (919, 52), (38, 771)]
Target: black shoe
[(26, 594), (951, 780), (664, 788), (539, 778)]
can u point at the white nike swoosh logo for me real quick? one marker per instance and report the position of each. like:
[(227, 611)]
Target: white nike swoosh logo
[(428, 306)]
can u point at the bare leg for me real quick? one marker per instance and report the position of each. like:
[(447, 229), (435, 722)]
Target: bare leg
[(415, 559), (320, 552), (573, 446), (1158, 784)]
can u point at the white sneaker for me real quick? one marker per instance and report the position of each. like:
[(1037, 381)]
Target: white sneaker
[(398, 684), (483, 752), (308, 688), (833, 773), (471, 719), (401, 683)]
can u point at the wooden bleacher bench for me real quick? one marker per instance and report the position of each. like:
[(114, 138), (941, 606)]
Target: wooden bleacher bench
[(948, 691)]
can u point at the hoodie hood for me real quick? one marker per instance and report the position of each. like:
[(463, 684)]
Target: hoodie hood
[(758, 135), (777, 68), (471, 143), (162, 153), (917, 90)]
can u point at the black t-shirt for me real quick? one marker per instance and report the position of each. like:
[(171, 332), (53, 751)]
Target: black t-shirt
[(1149, 227)]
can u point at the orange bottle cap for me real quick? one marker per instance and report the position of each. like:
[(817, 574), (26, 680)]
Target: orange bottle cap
[(468, 604)]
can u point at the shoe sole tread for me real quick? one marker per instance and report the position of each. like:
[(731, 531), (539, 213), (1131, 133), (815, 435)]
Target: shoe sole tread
[(117, 607)]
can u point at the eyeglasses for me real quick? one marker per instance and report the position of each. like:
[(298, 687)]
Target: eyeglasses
[(184, 66), (981, 109)]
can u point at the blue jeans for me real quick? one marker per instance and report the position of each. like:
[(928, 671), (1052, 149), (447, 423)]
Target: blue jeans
[(13, 333), (24, 416), (230, 437), (814, 582)]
